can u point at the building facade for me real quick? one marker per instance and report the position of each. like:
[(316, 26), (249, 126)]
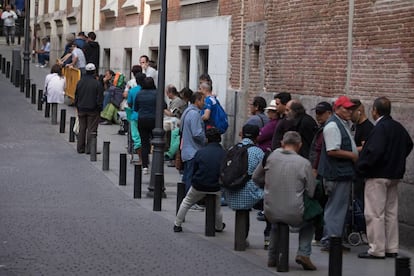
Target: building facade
[(314, 49)]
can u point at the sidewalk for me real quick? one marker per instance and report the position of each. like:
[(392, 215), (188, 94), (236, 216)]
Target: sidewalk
[(194, 224)]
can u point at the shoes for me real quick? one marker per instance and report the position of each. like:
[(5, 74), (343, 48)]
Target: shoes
[(37, 65), (391, 255), (271, 263), (221, 230), (98, 152), (105, 123), (366, 255), (325, 248), (81, 151), (223, 201), (305, 262), (178, 229), (316, 243), (196, 207), (145, 171), (171, 164), (260, 216), (43, 66), (294, 229)]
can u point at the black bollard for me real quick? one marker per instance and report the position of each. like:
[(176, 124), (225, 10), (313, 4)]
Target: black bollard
[(47, 110), (402, 266), (283, 260), (122, 169), (62, 120), (71, 133), (33, 93), (158, 191), (92, 147), (8, 69), (39, 100), (335, 256), (3, 65), (180, 195), (17, 78), (105, 155), (54, 109), (137, 181), (22, 83), (210, 228), (240, 229), (28, 88)]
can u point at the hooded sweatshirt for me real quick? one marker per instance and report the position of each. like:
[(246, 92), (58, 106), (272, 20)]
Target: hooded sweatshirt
[(92, 51)]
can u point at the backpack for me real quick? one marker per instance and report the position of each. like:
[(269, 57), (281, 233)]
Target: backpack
[(220, 118), (233, 169)]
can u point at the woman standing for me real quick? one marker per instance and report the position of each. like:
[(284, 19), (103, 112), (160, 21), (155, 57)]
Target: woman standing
[(55, 84)]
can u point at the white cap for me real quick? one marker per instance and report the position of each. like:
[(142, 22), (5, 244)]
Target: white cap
[(90, 67), (271, 106)]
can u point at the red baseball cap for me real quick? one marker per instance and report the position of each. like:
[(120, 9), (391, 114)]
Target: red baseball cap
[(343, 101)]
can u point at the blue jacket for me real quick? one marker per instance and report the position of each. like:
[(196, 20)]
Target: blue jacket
[(192, 132), (207, 163), (385, 151)]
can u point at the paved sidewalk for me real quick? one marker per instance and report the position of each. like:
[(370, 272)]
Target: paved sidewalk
[(194, 224)]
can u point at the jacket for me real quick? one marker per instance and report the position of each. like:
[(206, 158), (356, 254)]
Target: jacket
[(92, 52), (207, 161), (89, 94), (385, 151), (193, 136)]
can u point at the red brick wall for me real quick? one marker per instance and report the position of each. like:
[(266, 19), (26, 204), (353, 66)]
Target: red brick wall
[(173, 10), (383, 50)]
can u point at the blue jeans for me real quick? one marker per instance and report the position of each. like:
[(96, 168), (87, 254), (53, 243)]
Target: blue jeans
[(42, 58), (188, 174), (336, 207)]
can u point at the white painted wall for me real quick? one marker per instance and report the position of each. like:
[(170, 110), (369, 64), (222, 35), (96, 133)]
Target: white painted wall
[(211, 32)]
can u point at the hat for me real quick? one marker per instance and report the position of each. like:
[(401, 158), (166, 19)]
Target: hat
[(272, 105), (322, 107), (250, 131), (90, 67), (343, 101)]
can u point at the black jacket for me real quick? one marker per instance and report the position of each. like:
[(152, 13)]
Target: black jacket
[(92, 52), (89, 94), (207, 161), (385, 151)]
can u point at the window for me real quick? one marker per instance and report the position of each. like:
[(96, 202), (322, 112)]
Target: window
[(127, 62), (185, 67), (202, 61), (107, 59)]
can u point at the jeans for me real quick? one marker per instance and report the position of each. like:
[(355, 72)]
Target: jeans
[(42, 58), (188, 173), (88, 127), (336, 208), (9, 32)]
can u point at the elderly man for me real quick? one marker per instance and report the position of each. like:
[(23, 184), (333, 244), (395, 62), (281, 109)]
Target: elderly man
[(336, 168), (9, 17), (382, 163), (147, 69), (288, 179)]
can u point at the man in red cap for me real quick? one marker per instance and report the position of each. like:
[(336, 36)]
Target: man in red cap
[(336, 167)]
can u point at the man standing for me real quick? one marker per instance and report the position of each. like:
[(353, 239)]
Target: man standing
[(147, 69), (192, 135), (88, 101), (363, 126), (9, 17), (382, 162), (91, 50), (336, 167), (282, 126), (78, 59), (288, 178)]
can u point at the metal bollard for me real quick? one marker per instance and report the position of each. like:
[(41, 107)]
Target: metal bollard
[(240, 229), (17, 78), (54, 109), (210, 228), (22, 83), (62, 120), (105, 155), (122, 169), (137, 181), (28, 88), (33, 93), (158, 191), (283, 257), (47, 110), (71, 133), (92, 147), (402, 266), (335, 256), (39, 100), (180, 195), (8, 69), (3, 65)]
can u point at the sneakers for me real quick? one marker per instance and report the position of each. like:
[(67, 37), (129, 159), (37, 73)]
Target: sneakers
[(145, 171), (316, 243), (222, 228), (178, 229), (43, 66), (305, 262), (197, 207), (260, 216)]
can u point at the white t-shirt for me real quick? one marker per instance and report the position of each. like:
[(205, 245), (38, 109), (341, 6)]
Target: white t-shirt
[(81, 62)]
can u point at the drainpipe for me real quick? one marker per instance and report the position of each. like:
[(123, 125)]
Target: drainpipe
[(350, 40)]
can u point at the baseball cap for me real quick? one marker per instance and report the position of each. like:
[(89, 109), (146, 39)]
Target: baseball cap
[(343, 101), (90, 67), (322, 107), (271, 106), (250, 131)]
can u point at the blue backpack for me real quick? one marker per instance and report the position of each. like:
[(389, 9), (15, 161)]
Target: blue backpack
[(220, 117)]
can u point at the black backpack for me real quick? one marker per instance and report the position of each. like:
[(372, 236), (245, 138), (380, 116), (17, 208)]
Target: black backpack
[(233, 169)]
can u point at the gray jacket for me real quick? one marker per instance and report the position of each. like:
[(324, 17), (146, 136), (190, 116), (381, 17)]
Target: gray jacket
[(286, 176)]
